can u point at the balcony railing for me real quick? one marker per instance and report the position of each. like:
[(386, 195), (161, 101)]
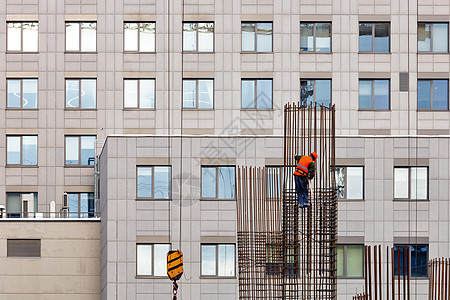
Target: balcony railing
[(63, 214)]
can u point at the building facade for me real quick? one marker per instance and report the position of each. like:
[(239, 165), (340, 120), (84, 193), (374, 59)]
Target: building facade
[(173, 95)]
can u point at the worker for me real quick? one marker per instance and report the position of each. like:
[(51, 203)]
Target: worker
[(304, 172)]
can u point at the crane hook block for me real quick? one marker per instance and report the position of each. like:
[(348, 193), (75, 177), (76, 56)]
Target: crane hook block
[(174, 264)]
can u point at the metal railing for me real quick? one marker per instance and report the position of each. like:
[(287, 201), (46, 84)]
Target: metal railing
[(63, 214)]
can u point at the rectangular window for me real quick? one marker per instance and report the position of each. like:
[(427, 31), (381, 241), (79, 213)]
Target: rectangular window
[(432, 94), (139, 37), (198, 37), (315, 91), (419, 260), (218, 183), (374, 94), (21, 205), (432, 37), (218, 260), (350, 182), (23, 248), (139, 93), (21, 150), (257, 37), (315, 37), (80, 150), (374, 37), (350, 261), (151, 259), (274, 182), (256, 93), (81, 36), (198, 93), (81, 93), (411, 183), (154, 182), (22, 36), (22, 93), (81, 205)]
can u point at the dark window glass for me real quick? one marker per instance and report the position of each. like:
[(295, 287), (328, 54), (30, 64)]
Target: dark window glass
[(419, 260), (315, 37), (315, 91), (432, 94)]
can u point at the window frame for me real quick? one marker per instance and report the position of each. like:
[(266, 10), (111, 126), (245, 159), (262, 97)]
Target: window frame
[(373, 37), (196, 94), (256, 36), (345, 187), (409, 183), (255, 80), (139, 94), (153, 182), (314, 89), (137, 276), (21, 37), (410, 259), (314, 36), (79, 151), (79, 37), (21, 93), (80, 80), (431, 80), (431, 37), (217, 260), (21, 213), (139, 37), (82, 214), (21, 165), (373, 94), (196, 38), (345, 276), (217, 182)]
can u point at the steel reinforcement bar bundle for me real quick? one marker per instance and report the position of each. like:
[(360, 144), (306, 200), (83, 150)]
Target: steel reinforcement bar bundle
[(287, 252)]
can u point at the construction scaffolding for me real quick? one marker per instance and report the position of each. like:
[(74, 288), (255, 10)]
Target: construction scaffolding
[(285, 252)]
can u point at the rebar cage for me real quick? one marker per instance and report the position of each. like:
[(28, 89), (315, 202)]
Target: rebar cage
[(285, 252)]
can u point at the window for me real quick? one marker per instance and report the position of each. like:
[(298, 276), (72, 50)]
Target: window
[(315, 37), (21, 150), (80, 150), (218, 183), (22, 93), (139, 37), (151, 259), (198, 93), (350, 182), (81, 205), (139, 93), (23, 248), (218, 260), (419, 260), (374, 37), (81, 36), (257, 37), (256, 93), (198, 37), (432, 37), (81, 93), (21, 205), (274, 181), (374, 94), (22, 36), (154, 182), (432, 94), (315, 91), (350, 261), (411, 183)]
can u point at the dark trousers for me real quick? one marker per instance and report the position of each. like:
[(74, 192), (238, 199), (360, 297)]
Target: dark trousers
[(301, 186)]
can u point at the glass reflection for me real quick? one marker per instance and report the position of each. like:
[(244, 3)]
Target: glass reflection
[(365, 94), (72, 151), (144, 260), (323, 37), (131, 36), (306, 37), (440, 94), (160, 263), (162, 182), (264, 37), (14, 36), (30, 36), (208, 182), (248, 94), (88, 93), (226, 183), (419, 183), (365, 37), (423, 37), (72, 201), (355, 183), (13, 150), (147, 93), (440, 38), (205, 37), (130, 93), (248, 36), (29, 97), (88, 37), (208, 260), (144, 182), (72, 93), (226, 260), (205, 94), (381, 39), (29, 155), (424, 94), (401, 183), (189, 36), (147, 34), (381, 94), (323, 92), (340, 182), (13, 91), (189, 93), (72, 37), (264, 94), (87, 150)]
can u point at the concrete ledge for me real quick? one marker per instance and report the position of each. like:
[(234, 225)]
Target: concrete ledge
[(80, 74), (257, 131), (274, 161), (80, 131), (21, 74), (199, 18), (350, 240), (22, 131), (139, 18), (323, 18), (374, 131), (405, 162), (79, 188), (198, 131), (153, 161), (411, 240), (80, 17), (374, 18), (312, 75), (139, 75), (433, 131), (433, 18), (217, 161), (198, 74), (217, 239), (24, 17), (21, 188), (369, 75), (432, 75), (143, 239), (251, 18), (139, 130), (258, 75), (349, 161)]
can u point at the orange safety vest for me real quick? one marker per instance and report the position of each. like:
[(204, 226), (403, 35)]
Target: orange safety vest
[(302, 165)]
